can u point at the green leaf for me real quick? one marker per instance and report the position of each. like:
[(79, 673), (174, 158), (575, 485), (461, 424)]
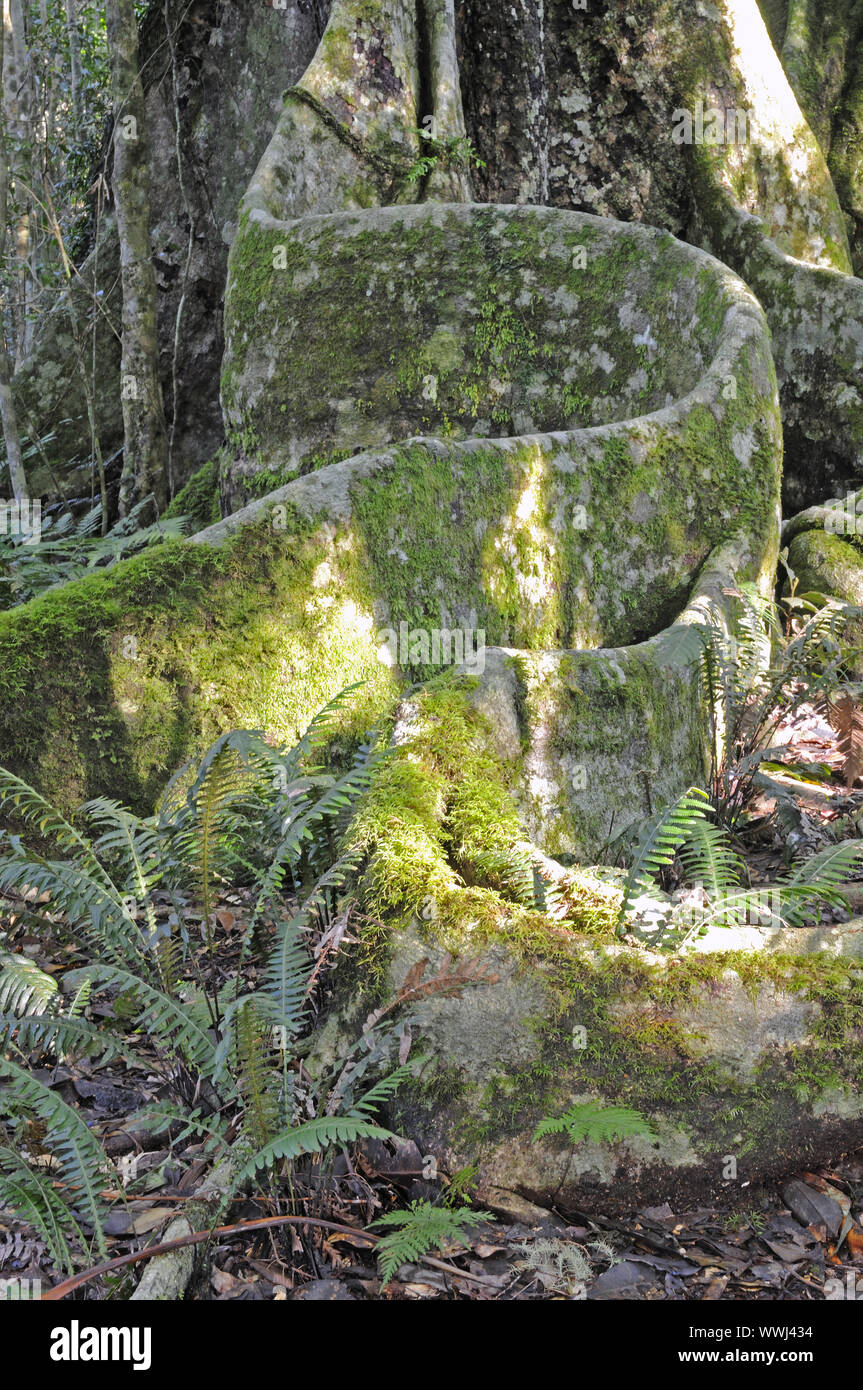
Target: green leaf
[(659, 843), (80, 1154), (420, 1228), (596, 1123)]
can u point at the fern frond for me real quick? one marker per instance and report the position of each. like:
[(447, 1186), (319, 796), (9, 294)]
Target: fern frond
[(298, 828), (257, 1081), (33, 808), (385, 1089), (707, 855), (137, 845), (419, 1229), (163, 1018), (208, 1127), (32, 1197), (779, 905), (24, 988), (845, 714), (596, 1123), (62, 1035), (321, 723), (286, 979), (315, 1136), (659, 843), (832, 866), (79, 1153), (681, 645), (94, 908)]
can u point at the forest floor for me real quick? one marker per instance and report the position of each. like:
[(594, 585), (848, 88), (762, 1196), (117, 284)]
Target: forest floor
[(800, 1239)]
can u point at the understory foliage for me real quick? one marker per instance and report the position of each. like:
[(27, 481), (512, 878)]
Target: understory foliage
[(764, 672), (128, 892), (707, 855), (69, 548), (758, 674)]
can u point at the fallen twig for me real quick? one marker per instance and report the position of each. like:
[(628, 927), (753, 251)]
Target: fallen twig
[(195, 1238)]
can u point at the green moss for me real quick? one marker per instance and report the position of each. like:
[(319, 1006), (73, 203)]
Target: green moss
[(442, 840), (609, 1033), (111, 681), (199, 499), (451, 326)]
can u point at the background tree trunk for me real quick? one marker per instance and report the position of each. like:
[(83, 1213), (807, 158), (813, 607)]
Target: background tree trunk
[(145, 461), (74, 58), (19, 100), (7, 406)]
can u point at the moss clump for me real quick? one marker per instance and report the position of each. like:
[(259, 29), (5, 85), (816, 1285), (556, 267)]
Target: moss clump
[(443, 842), (199, 499), (108, 683), (398, 829)]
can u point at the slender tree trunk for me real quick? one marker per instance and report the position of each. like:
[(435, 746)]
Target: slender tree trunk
[(145, 458), (19, 99), (74, 58), (7, 405)]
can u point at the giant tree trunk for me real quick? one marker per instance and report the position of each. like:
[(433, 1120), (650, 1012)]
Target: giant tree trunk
[(526, 420), (145, 458)]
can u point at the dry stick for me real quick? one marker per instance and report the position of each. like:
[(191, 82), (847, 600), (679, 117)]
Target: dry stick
[(262, 1223)]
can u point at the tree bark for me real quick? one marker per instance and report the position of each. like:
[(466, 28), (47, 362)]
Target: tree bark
[(19, 98), (145, 458), (7, 407), (74, 58)]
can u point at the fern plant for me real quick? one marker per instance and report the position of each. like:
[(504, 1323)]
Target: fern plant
[(594, 1123), (709, 860), (657, 845), (455, 153), (77, 1152), (278, 817), (70, 548), (419, 1228), (260, 1123), (758, 674)]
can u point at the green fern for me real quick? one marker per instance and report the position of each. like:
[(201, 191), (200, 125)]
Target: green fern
[(257, 1080), (32, 1196), (756, 677), (595, 1123), (63, 1036), (658, 844), (31, 1014), (228, 814), (831, 866), (24, 988), (419, 1229), (31, 807), (708, 856), (313, 1137), (164, 1018), (77, 1150)]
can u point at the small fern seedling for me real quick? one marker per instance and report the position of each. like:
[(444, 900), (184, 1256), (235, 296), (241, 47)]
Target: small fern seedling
[(595, 1124), (419, 1229)]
